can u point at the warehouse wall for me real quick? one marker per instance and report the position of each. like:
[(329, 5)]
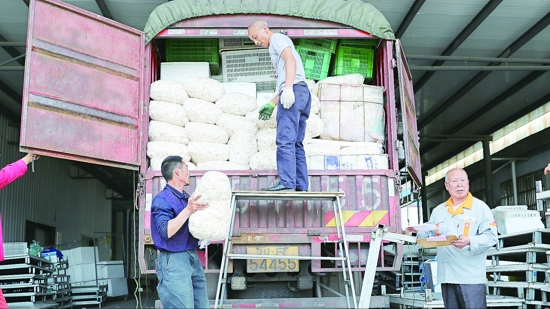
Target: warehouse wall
[(49, 196)]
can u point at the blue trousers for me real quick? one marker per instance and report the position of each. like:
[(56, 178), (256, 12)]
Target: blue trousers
[(291, 129), (467, 296), (182, 283)]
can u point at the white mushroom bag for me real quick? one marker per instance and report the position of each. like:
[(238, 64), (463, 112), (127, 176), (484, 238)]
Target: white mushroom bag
[(212, 223)]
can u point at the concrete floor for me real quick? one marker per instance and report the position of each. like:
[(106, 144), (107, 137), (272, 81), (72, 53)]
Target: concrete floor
[(145, 300)]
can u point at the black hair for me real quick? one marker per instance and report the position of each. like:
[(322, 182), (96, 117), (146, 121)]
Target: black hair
[(169, 165)]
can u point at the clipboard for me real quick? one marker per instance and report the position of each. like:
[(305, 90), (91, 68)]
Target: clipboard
[(425, 243)]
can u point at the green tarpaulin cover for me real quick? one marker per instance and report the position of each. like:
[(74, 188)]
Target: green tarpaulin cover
[(354, 13)]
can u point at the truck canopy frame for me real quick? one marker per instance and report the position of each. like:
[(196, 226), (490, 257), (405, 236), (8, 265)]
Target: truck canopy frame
[(354, 13)]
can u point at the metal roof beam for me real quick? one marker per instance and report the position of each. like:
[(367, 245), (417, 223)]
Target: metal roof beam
[(104, 9), (12, 51), (470, 28), (487, 107), (522, 40), (478, 59), (98, 173), (409, 18), (475, 68), (538, 103)]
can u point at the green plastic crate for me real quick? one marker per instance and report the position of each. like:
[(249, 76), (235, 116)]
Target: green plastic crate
[(358, 43), (318, 44), (316, 62), (354, 60), (194, 50)]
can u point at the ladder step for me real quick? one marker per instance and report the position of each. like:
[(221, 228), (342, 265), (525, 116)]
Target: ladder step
[(286, 257)]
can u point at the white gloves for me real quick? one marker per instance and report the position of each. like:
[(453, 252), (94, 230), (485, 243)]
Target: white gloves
[(287, 97)]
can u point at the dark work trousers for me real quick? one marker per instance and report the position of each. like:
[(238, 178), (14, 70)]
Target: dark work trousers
[(291, 129), (467, 296)]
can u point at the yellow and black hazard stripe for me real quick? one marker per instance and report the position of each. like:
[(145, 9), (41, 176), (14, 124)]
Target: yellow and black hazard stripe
[(359, 218)]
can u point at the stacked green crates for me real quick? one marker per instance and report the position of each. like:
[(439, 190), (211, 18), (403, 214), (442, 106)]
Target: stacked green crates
[(316, 62), (362, 43), (351, 60), (318, 44), (194, 50)]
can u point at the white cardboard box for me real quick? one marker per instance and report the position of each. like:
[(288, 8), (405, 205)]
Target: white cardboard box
[(116, 287), (316, 163), (179, 71), (352, 112), (81, 255), (264, 97), (373, 162), (110, 269), (246, 88), (332, 162), (351, 162), (82, 272)]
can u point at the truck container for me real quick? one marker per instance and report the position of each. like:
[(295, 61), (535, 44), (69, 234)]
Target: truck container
[(86, 98)]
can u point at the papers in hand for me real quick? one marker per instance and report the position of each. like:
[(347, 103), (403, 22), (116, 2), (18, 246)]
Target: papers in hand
[(436, 241), (437, 238)]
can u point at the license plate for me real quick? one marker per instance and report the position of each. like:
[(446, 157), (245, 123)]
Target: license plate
[(272, 265)]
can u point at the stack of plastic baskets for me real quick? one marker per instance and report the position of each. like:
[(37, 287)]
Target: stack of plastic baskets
[(194, 50), (318, 44), (253, 65), (315, 55), (351, 60)]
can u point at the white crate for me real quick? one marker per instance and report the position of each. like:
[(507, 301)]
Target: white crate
[(512, 221), (179, 71), (236, 43), (15, 248), (515, 214), (510, 207), (248, 66)]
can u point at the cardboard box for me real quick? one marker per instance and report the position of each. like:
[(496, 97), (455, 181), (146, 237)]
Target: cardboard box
[(348, 162), (246, 88), (264, 97), (352, 112), (179, 71), (351, 162), (316, 163), (110, 269), (373, 162), (332, 162)]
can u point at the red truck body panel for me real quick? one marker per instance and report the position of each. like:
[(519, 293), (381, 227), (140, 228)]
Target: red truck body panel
[(86, 89), (83, 87)]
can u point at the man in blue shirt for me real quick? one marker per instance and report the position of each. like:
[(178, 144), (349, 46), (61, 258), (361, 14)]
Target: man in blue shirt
[(181, 279), (293, 109)]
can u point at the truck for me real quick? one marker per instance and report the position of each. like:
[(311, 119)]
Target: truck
[(86, 98)]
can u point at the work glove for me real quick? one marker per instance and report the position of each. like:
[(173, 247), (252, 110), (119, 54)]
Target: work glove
[(266, 110), (287, 97)]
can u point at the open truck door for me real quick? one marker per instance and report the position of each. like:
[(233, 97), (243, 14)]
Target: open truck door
[(410, 128), (83, 88)]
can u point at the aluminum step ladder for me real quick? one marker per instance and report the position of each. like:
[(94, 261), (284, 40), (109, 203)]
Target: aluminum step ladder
[(333, 197)]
